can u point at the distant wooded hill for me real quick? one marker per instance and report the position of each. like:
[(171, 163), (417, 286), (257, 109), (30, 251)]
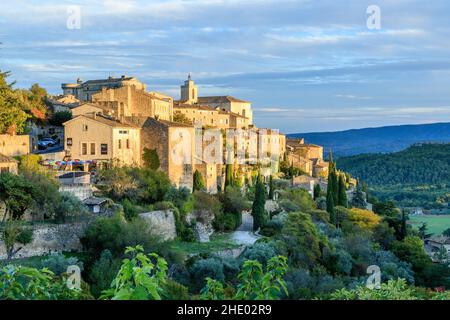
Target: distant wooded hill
[(377, 140), (416, 176)]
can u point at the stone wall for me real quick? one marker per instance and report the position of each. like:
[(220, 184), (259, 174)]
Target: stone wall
[(51, 238), (162, 223), (14, 145), (81, 192)]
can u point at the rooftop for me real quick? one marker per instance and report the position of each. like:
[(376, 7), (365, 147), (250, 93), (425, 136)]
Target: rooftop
[(109, 121), (219, 99)]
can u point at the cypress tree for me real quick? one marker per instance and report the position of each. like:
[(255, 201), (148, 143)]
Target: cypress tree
[(228, 176), (330, 208), (403, 228), (331, 182), (317, 191), (342, 195), (199, 183), (271, 188), (258, 211)]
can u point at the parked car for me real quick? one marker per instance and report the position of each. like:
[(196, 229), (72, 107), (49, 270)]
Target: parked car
[(46, 142)]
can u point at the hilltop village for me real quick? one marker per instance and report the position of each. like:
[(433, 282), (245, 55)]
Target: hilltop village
[(109, 176), (117, 121)]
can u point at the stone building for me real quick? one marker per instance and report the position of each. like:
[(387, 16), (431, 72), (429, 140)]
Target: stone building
[(85, 108), (96, 137), (307, 157), (120, 119), (189, 95), (130, 101), (174, 143), (83, 91), (204, 116)]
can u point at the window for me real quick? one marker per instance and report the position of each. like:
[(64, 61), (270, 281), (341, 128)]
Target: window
[(104, 148), (120, 144), (92, 148), (128, 143), (123, 131), (84, 149), (85, 127), (69, 141)]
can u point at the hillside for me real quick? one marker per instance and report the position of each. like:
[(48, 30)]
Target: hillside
[(377, 140), (416, 176)]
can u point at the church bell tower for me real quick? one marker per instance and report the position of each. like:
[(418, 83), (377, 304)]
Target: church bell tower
[(189, 91)]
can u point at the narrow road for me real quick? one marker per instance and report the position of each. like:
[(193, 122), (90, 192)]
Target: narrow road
[(244, 234)]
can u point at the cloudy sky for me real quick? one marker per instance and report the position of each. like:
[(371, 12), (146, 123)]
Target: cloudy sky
[(306, 65)]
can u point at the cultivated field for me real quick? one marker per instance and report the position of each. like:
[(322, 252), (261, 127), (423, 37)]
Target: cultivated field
[(436, 224)]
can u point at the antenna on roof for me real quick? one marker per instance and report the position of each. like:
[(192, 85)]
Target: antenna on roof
[(189, 76)]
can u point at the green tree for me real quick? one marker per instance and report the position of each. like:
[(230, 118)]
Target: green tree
[(60, 117), (258, 210), (181, 118), (25, 283), (14, 236), (271, 188), (17, 195), (30, 163), (317, 191), (12, 115), (129, 210), (446, 232), (423, 231), (342, 194), (140, 278), (330, 208), (411, 249), (255, 283), (151, 159), (199, 183), (302, 240), (228, 175), (359, 200), (392, 290)]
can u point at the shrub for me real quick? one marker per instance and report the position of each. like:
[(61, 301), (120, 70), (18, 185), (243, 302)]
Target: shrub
[(58, 263), (261, 252), (129, 210), (68, 206), (364, 218), (103, 272), (115, 234), (201, 269), (173, 290)]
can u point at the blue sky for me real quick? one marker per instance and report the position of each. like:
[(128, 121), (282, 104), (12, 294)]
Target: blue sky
[(307, 65)]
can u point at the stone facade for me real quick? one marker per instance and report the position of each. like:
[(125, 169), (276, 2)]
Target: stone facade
[(204, 116), (175, 145), (130, 101), (85, 108), (95, 137), (83, 91), (189, 96), (307, 157), (14, 145)]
